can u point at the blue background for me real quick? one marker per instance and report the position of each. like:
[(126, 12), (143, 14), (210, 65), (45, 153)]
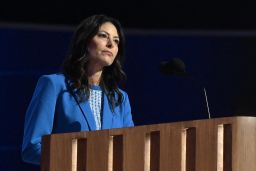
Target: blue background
[(221, 62)]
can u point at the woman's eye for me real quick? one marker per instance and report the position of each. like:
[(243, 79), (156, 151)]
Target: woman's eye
[(102, 35), (116, 41)]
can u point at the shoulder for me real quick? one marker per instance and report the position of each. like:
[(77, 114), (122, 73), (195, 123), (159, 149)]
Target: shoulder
[(56, 81), (123, 92), (125, 95), (58, 77)]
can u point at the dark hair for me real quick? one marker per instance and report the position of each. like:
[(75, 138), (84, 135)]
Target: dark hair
[(75, 65)]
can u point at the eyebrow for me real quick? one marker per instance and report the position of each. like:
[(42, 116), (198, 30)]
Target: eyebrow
[(108, 33)]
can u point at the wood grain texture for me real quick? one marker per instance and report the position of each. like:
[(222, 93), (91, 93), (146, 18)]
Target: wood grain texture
[(191, 146)]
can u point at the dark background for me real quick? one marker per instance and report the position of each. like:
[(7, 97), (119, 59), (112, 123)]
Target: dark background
[(216, 41), (144, 14)]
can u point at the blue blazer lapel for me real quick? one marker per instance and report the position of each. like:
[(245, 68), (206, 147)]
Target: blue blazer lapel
[(86, 109), (87, 113), (107, 114)]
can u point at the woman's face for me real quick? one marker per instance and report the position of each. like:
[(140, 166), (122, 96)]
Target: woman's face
[(103, 47)]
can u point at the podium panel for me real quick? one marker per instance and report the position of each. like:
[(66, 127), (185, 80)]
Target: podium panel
[(221, 144)]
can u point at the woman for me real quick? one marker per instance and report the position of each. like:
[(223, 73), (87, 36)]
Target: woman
[(85, 96)]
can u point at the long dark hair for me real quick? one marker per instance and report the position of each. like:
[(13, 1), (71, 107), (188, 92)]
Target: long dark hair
[(75, 65)]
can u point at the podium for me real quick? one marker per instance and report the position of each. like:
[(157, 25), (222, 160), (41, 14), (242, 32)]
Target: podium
[(221, 144)]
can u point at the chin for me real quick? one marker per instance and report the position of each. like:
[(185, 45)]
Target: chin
[(107, 63)]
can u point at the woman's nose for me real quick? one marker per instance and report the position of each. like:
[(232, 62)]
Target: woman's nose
[(110, 43)]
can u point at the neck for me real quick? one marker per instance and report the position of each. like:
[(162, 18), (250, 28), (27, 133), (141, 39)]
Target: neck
[(94, 78), (94, 70)]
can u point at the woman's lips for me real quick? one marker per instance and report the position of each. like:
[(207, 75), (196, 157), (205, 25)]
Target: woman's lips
[(107, 53)]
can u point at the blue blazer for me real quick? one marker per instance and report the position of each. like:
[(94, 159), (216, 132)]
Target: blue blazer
[(53, 109)]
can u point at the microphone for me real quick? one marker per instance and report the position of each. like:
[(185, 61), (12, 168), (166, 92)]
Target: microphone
[(173, 67), (177, 67)]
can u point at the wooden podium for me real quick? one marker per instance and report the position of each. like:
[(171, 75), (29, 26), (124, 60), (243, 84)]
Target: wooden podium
[(222, 144)]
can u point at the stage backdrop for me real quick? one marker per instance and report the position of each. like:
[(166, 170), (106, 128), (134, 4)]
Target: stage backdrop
[(221, 62)]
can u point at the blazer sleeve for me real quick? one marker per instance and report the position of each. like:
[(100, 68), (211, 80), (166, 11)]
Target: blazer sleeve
[(127, 117), (39, 119)]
